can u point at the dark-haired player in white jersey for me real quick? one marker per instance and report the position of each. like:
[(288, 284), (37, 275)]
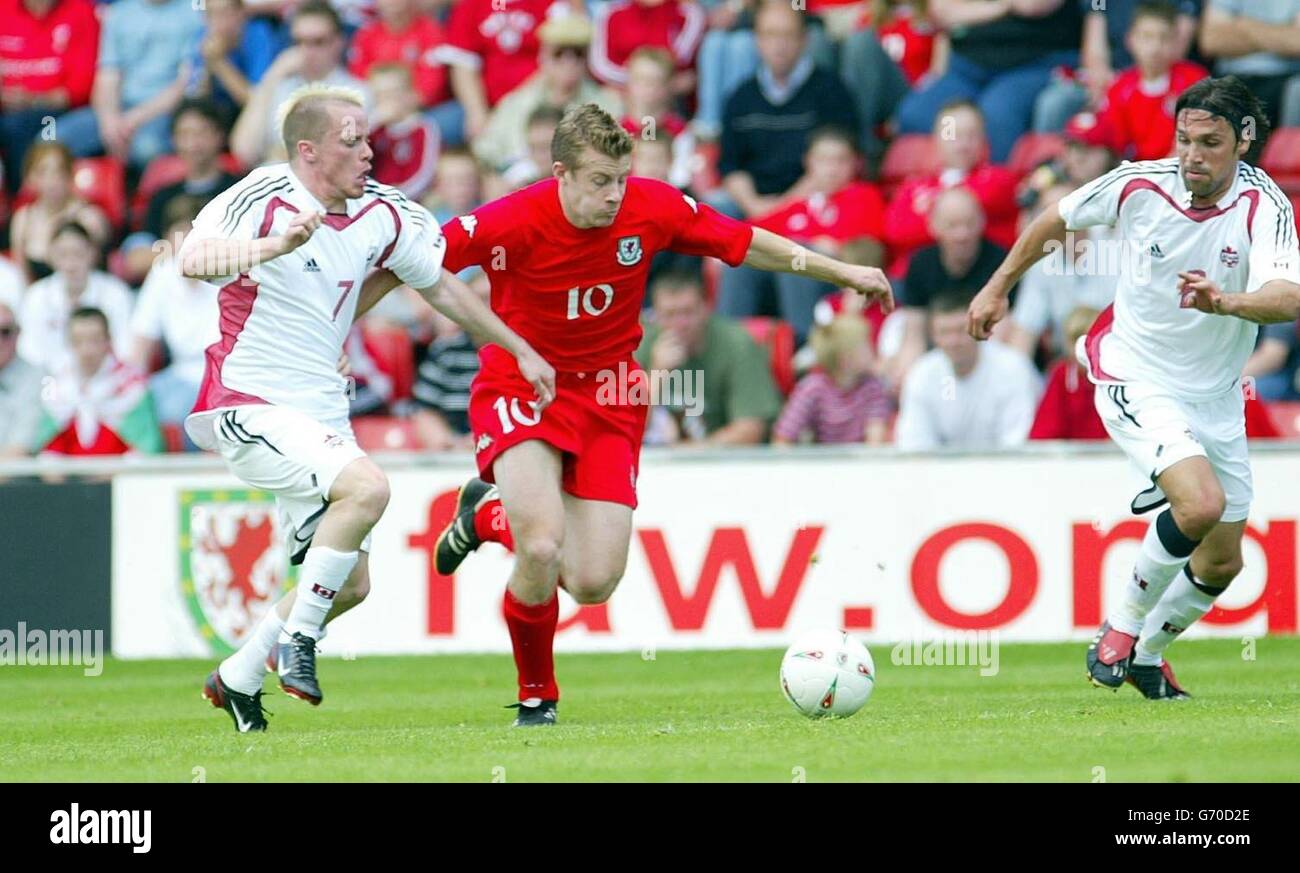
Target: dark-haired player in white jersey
[(291, 246), (1220, 240)]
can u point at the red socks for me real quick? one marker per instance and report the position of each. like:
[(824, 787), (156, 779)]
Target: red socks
[(491, 526), (532, 634)]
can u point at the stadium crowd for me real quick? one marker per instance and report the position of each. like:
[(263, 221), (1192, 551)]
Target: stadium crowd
[(917, 137)]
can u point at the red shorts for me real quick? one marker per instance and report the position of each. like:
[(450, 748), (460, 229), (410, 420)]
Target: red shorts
[(595, 421)]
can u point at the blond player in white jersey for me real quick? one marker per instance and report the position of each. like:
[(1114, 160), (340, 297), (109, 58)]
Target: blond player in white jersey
[(1217, 245), (291, 246)]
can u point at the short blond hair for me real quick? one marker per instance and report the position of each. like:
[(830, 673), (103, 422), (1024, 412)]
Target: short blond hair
[(303, 115), (832, 340), (588, 125)]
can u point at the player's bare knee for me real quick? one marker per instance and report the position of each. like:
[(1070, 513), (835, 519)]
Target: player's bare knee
[(1197, 516), (365, 487), (541, 549), (591, 588)]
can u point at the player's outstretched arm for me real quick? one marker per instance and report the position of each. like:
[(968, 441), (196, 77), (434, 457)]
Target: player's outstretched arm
[(990, 305), (776, 254), (454, 299), (209, 259), (1273, 302)]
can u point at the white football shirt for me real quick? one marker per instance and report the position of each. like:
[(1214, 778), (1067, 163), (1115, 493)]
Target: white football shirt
[(283, 323), (1246, 239)]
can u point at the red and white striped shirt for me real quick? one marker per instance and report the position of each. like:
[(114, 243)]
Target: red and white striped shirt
[(833, 414)]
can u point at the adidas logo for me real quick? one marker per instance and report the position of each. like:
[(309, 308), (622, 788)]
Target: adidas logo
[(1155, 251), (310, 266)]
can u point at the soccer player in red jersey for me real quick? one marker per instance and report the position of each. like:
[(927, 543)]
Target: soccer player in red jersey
[(567, 258)]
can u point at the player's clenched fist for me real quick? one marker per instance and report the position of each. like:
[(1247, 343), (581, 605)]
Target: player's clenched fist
[(987, 309), (300, 229)]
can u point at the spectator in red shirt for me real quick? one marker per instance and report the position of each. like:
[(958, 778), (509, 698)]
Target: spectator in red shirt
[(1139, 106), (892, 48), (1066, 410), (963, 150), (624, 26), (401, 35), (491, 49), (48, 51), (840, 217), (648, 112), (906, 33), (405, 143)]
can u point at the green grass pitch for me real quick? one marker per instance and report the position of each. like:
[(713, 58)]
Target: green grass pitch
[(682, 716)]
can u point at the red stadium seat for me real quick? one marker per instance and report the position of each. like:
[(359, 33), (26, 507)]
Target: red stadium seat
[(1281, 158), (102, 181), (378, 433), (1033, 149), (393, 353), (909, 155), (162, 171), (777, 337), (1286, 415)]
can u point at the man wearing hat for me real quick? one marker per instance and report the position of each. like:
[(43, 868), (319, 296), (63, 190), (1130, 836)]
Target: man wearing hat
[(561, 81)]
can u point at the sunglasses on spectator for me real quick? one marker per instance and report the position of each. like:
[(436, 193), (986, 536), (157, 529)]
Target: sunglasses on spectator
[(315, 42), (8, 331), (571, 50)]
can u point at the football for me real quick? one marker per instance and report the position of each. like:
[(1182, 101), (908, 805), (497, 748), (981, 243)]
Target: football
[(827, 673)]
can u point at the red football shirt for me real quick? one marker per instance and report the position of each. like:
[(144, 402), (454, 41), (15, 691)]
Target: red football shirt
[(57, 51), (496, 37), (406, 155), (575, 294), (414, 47), (1141, 118), (854, 211), (1066, 410), (907, 220), (623, 26), (907, 40)]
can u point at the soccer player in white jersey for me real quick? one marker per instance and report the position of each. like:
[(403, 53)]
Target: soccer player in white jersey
[(291, 246), (1220, 241)]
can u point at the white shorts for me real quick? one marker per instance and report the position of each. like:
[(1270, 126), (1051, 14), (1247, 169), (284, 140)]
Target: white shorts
[(1157, 430), (291, 455)]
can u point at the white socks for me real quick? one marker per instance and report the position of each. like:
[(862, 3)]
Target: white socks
[(243, 671), (322, 575), (1165, 551), (1181, 607)]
